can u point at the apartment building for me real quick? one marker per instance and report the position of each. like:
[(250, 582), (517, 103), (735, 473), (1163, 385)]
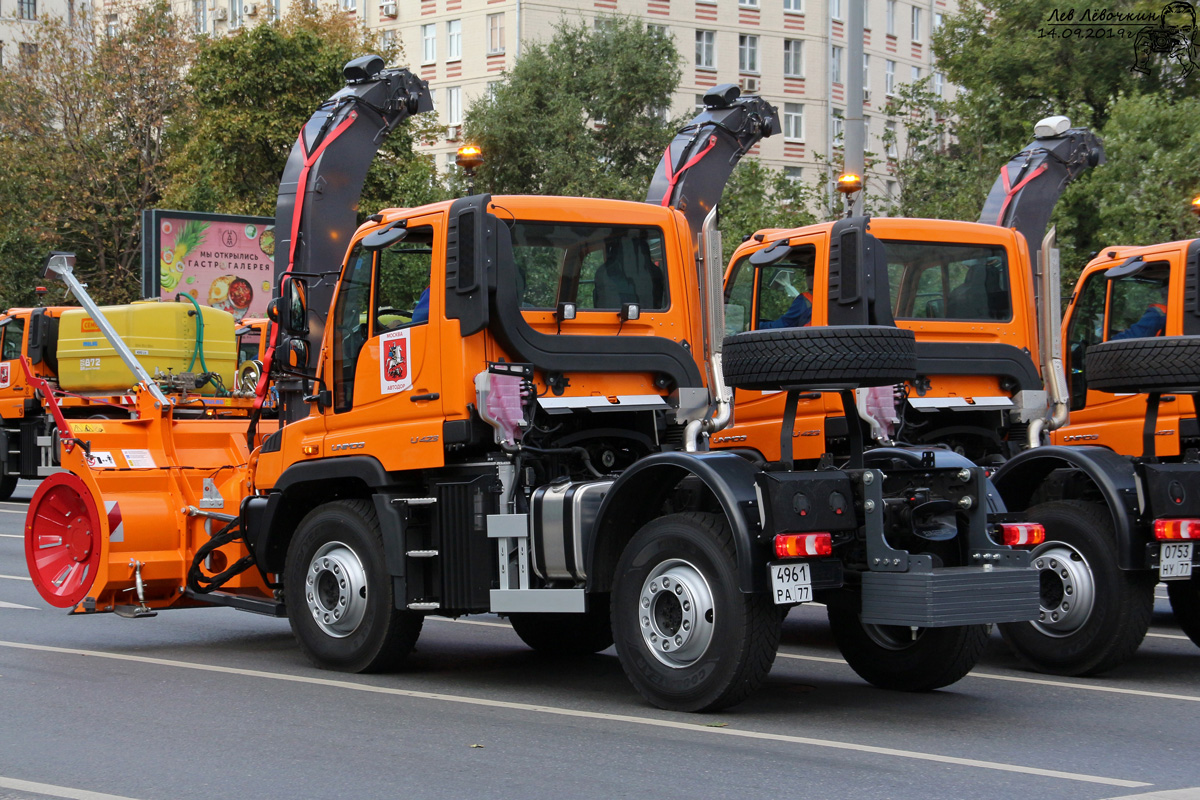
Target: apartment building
[(19, 20)]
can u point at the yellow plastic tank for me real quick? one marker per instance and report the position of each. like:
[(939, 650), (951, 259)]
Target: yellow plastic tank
[(161, 335)]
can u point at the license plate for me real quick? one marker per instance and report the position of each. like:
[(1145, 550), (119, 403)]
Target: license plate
[(1174, 561), (791, 582)]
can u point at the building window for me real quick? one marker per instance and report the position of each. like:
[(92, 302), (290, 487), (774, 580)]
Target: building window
[(492, 88), (706, 49), (793, 121), (937, 21), (454, 105), (198, 21), (747, 53), (793, 5), (916, 74), (349, 5), (889, 77), (891, 17), (839, 128), (891, 190), (454, 40), (916, 24), (794, 174), (495, 26), (835, 9), (235, 14), (429, 43), (939, 83), (389, 42), (27, 51), (748, 3), (866, 72), (793, 58), (27, 9), (700, 106), (658, 31), (835, 64), (112, 25), (890, 139)]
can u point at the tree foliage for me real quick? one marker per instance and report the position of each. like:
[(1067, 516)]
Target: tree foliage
[(580, 114), (254, 90), (758, 197), (83, 145)]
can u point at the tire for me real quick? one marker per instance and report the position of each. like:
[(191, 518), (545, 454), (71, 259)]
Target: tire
[(677, 577), (567, 634), (892, 657), (1094, 615), (8, 485), (1185, 603), (1157, 364), (848, 356), (335, 561)]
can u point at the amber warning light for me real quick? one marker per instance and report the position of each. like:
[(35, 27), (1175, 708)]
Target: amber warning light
[(1196, 205), (849, 183), (469, 156)]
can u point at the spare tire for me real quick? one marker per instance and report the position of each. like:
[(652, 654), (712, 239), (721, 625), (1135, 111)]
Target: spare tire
[(835, 357), (1157, 364)]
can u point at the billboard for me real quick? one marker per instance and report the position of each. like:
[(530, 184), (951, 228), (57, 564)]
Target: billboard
[(221, 260)]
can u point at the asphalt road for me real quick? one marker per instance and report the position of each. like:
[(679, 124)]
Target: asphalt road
[(215, 702)]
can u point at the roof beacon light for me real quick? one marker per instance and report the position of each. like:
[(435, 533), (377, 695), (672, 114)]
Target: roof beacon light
[(849, 183)]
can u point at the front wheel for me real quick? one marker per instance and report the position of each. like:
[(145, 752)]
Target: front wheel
[(902, 658), (1093, 614), (1185, 603), (686, 635), (339, 596)]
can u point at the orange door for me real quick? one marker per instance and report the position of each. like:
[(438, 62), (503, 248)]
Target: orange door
[(385, 366)]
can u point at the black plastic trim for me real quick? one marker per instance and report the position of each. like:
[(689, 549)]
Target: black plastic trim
[(978, 358), (1191, 290)]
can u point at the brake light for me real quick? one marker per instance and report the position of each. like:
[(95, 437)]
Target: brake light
[(1177, 529), (1015, 534), (799, 545)]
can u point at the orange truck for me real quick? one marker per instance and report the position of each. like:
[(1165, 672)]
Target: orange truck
[(502, 404), (64, 347), (982, 301)]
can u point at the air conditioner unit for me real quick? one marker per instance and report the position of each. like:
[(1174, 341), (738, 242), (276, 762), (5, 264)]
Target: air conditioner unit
[(453, 133), (252, 9), (220, 14), (387, 9), (866, 95), (749, 85)]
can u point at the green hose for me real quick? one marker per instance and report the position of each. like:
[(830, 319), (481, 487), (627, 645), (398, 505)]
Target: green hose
[(199, 348)]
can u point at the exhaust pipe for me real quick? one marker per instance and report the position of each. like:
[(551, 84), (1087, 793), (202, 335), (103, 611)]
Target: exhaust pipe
[(712, 301), (1050, 343)]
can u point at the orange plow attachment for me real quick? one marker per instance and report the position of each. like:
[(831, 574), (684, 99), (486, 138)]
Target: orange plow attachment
[(119, 531)]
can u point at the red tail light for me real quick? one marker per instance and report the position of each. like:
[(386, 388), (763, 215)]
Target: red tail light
[(800, 545), (1016, 534), (1177, 529)]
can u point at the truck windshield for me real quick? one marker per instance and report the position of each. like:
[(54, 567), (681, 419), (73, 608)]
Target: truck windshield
[(596, 267), (936, 280)]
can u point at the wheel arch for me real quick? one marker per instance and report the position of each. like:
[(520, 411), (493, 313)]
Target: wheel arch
[(1109, 474), (640, 493)]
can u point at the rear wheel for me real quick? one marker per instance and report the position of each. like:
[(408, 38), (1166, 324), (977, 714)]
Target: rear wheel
[(1185, 603), (687, 637), (902, 658), (1093, 614), (567, 634), (340, 601)]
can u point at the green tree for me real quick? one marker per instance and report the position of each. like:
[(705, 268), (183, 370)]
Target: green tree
[(83, 145), (582, 114), (255, 89), (758, 197)]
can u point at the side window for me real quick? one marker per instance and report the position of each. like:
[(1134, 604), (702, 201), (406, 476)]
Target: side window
[(937, 280), (402, 298), (351, 323), (248, 345), (1138, 307), (14, 332), (1085, 330), (739, 298), (785, 290)]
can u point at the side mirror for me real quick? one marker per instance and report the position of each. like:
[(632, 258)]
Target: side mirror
[(297, 353), (290, 311), (386, 236), (770, 255)]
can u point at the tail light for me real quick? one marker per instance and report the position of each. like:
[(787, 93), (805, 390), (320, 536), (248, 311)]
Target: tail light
[(800, 545), (1177, 529), (1016, 534)]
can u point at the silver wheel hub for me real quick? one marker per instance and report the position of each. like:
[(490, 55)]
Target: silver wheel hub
[(335, 589), (1068, 589), (675, 613)]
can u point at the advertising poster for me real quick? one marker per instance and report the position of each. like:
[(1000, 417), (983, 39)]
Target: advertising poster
[(223, 261)]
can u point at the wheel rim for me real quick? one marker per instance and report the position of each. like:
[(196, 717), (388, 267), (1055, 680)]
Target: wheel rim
[(336, 589), (62, 540), (676, 614), (893, 637), (1068, 589)]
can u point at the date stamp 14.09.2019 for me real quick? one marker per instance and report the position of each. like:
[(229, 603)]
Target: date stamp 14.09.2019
[(1170, 33)]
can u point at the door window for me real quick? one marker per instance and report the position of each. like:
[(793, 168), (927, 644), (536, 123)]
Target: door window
[(14, 333)]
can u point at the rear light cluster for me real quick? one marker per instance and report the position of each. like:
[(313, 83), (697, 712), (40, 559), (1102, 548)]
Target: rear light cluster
[(801, 545), (1016, 534), (1177, 529)]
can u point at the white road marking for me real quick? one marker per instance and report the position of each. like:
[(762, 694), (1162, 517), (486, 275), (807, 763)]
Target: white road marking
[(1037, 681), (14, 605), (11, 536), (1170, 794), (56, 791), (1167, 636), (10, 511), (470, 622), (16, 577), (698, 727)]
